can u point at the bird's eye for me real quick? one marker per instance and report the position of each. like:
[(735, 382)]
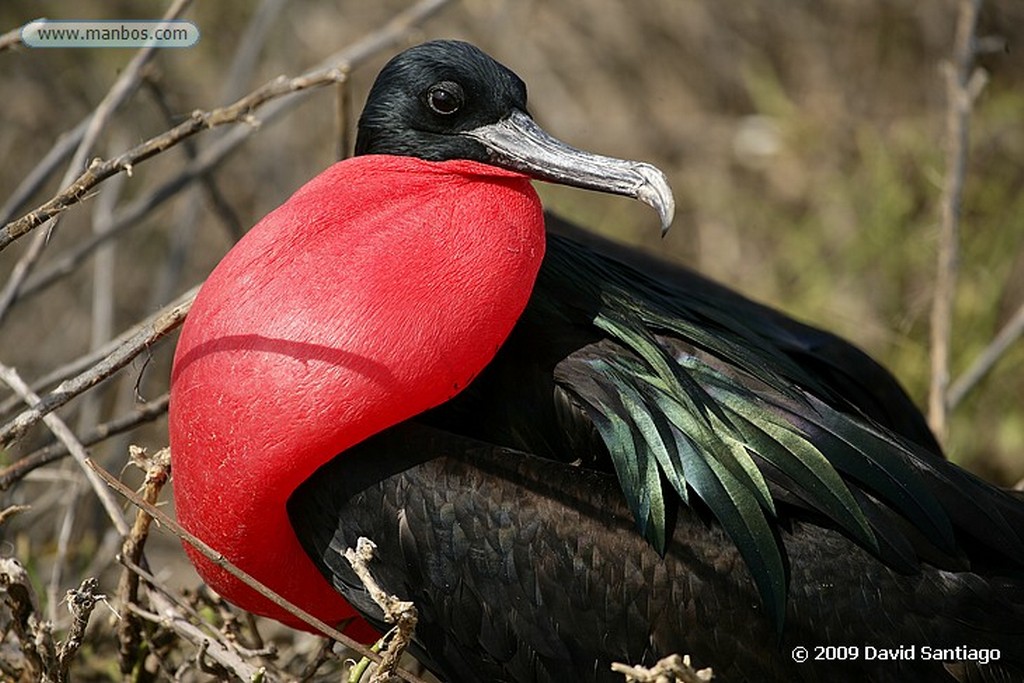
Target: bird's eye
[(445, 98)]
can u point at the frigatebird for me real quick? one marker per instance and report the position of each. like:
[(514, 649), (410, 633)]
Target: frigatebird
[(566, 456)]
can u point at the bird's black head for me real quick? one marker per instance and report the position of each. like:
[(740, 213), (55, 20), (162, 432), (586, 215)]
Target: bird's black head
[(427, 96), (446, 100)]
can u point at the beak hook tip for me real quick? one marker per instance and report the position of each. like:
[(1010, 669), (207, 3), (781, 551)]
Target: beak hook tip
[(654, 191)]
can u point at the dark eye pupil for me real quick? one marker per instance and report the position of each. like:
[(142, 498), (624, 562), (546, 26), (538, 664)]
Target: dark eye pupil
[(444, 99)]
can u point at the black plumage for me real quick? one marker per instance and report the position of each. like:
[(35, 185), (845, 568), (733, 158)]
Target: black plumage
[(501, 516), (653, 464)]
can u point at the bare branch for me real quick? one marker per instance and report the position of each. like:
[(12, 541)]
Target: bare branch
[(13, 37), (962, 86), (125, 219), (157, 468), (169, 617), (331, 70), (34, 634), (149, 332), (146, 412), (100, 170), (65, 145), (132, 215), (12, 510), (987, 359), (64, 434)]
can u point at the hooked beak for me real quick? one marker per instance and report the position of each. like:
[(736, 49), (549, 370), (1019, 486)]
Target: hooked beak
[(518, 143)]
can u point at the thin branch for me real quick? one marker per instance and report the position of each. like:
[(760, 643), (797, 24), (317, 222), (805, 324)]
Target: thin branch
[(343, 119), (324, 654), (219, 560), (61, 431), (149, 332), (963, 85), (145, 412), (987, 359), (132, 215), (65, 145), (168, 617), (99, 170), (104, 288), (92, 357), (34, 634), (13, 37), (221, 207), (346, 59), (11, 511), (126, 84), (65, 525), (154, 584)]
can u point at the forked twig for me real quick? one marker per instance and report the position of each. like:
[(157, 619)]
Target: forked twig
[(400, 612), (668, 670)]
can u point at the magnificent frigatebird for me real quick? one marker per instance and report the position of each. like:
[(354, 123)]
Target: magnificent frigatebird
[(565, 457)]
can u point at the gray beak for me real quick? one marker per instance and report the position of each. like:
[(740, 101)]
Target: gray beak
[(518, 143)]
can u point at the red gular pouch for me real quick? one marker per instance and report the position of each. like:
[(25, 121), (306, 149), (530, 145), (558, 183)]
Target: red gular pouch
[(380, 289)]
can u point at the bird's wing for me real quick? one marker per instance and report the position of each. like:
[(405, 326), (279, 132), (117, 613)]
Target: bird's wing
[(690, 400), (525, 568), (854, 381)]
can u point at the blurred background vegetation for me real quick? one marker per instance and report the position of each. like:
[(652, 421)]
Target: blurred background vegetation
[(804, 141)]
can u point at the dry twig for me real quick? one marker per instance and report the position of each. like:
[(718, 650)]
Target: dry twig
[(10, 511), (12, 38), (81, 602), (987, 359), (99, 170), (43, 660), (168, 616), (61, 150), (240, 111), (343, 62), (402, 613), (667, 670), (35, 635), (157, 468)]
